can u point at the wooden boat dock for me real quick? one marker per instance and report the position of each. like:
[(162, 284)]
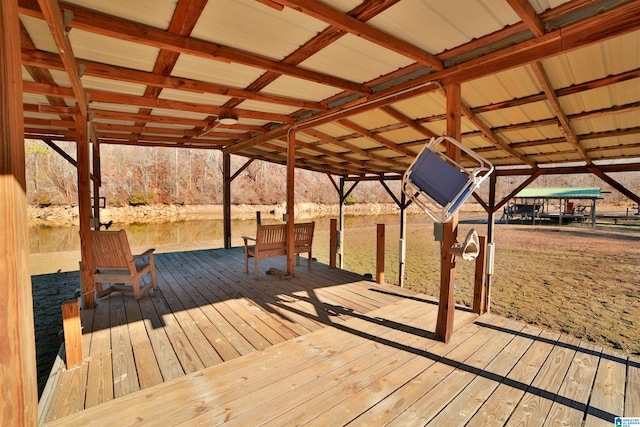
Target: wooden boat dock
[(215, 346)]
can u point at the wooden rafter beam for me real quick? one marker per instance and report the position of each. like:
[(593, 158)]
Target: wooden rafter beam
[(615, 184), (362, 12), (53, 15), (122, 29), (408, 122), (94, 69), (115, 98), (352, 148), (345, 22), (528, 15), (374, 137), (565, 126), (613, 23), (493, 138)]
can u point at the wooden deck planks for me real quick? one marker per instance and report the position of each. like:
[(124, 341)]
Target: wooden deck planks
[(573, 397), (607, 396), (324, 347), (632, 400), (497, 409)]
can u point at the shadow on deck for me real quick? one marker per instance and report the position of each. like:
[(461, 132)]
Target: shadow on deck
[(324, 347)]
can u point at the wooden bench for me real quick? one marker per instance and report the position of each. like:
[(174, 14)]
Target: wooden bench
[(271, 241)]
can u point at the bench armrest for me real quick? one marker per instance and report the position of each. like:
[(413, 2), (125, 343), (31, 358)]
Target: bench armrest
[(148, 252), (246, 239)]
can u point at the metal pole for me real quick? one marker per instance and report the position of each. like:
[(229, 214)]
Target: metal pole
[(403, 241)]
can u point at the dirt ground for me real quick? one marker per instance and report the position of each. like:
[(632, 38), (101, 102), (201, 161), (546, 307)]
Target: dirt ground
[(572, 279)]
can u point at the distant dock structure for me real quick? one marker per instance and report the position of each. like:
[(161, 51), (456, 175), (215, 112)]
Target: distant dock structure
[(560, 205)]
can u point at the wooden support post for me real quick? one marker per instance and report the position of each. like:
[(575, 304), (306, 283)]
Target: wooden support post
[(333, 242), (341, 225), (72, 333), (446, 306), (96, 183), (480, 280), (380, 254), (84, 210), (226, 199), (291, 172), (19, 402)]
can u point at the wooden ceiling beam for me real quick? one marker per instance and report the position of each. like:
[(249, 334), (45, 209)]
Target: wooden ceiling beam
[(362, 12), (184, 19), (565, 126), (352, 148), (604, 26), (374, 137), (492, 137), (570, 90), (528, 15), (115, 98), (53, 16), (335, 18), (122, 29), (408, 122), (94, 69)]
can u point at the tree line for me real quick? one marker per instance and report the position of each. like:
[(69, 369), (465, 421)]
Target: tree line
[(159, 175)]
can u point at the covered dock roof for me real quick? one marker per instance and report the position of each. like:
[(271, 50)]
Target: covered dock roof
[(349, 88), (560, 193)]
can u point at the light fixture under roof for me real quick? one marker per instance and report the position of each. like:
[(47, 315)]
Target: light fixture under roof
[(227, 119)]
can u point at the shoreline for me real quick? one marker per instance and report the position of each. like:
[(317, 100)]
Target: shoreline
[(62, 216)]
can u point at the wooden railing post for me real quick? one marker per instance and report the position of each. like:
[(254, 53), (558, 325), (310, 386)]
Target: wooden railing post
[(72, 333), (333, 242), (380, 254), (479, 288)]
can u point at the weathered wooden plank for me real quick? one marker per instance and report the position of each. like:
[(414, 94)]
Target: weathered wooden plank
[(571, 403), (366, 351), (497, 409), (196, 307), (373, 383), (191, 394), (125, 377), (607, 396), (72, 332), (167, 358), (632, 395), (146, 364), (471, 398), (99, 380), (536, 402), (71, 394), (100, 375), (456, 371), (205, 351)]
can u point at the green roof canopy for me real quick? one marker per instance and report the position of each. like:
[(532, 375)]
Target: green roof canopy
[(560, 193)]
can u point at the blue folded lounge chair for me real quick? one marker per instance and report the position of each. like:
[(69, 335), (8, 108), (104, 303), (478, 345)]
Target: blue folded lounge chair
[(438, 184)]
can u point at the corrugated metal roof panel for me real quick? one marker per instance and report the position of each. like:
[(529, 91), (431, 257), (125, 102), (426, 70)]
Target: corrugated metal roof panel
[(355, 59), (437, 25), (156, 13), (116, 86), (564, 193), (122, 53), (208, 70), (300, 89), (196, 98), (503, 86), (253, 27)]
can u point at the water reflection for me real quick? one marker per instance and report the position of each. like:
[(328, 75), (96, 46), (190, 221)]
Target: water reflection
[(45, 239)]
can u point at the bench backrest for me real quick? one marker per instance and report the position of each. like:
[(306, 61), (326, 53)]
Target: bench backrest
[(274, 236), (303, 233)]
